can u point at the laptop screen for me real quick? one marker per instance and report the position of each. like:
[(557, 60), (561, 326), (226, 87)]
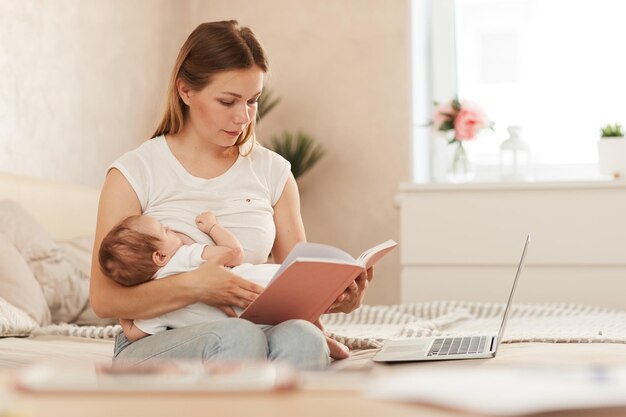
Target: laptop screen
[(508, 304)]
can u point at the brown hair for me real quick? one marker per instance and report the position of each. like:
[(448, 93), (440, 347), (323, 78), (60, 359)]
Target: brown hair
[(211, 48), (126, 254)]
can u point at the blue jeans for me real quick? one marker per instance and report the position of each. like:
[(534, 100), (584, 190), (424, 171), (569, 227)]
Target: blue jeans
[(297, 342)]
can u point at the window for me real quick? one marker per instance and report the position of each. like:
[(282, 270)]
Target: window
[(554, 67)]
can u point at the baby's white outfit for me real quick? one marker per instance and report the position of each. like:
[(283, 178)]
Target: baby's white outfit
[(188, 258)]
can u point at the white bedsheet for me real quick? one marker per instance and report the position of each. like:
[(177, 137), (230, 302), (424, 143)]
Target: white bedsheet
[(20, 351)]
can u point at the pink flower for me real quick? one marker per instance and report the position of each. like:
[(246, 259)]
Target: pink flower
[(470, 120), (464, 118)]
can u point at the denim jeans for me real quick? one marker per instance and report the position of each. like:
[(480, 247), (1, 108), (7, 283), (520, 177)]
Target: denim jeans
[(297, 342)]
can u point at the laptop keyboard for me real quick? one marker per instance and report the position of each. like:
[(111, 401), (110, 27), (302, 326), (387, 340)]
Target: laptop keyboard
[(458, 345)]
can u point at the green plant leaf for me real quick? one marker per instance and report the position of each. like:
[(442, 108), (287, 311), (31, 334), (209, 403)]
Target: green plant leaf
[(446, 125), (299, 149), (612, 131), (456, 104)]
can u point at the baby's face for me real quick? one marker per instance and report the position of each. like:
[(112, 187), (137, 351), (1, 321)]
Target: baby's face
[(170, 242)]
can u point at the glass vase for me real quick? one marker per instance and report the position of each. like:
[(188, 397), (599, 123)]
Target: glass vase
[(460, 168)]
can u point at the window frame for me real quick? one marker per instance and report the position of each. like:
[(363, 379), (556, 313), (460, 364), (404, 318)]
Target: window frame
[(435, 79)]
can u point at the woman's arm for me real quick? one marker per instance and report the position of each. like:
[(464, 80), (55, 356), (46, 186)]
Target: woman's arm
[(210, 283), (288, 221)]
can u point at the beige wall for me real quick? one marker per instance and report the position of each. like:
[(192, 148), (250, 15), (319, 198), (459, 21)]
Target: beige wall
[(83, 82)]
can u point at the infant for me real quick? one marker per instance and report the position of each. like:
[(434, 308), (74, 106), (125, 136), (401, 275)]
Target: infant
[(140, 249)]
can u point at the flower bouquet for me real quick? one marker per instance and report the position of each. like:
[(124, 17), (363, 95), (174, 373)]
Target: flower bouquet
[(463, 120)]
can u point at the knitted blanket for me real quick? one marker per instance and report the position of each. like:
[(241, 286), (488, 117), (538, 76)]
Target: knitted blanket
[(369, 326), (70, 329)]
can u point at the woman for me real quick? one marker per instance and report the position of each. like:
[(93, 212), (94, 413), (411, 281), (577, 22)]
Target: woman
[(202, 156)]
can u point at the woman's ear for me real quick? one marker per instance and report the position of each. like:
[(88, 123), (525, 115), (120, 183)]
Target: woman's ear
[(183, 91), (158, 258)]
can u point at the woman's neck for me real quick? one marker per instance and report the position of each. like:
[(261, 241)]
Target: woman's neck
[(199, 157), (190, 145)]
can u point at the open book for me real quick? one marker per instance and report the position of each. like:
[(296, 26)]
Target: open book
[(309, 281)]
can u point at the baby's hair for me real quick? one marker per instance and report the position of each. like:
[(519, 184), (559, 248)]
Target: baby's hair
[(126, 254)]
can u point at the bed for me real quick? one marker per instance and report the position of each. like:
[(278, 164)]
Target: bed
[(537, 335), (60, 219)]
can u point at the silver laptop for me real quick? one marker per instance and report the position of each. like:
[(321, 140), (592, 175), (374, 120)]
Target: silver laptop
[(451, 347)]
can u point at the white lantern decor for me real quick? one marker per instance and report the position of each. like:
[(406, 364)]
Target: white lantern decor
[(515, 157)]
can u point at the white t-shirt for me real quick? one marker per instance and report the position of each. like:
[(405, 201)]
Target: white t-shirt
[(188, 258), (242, 198)]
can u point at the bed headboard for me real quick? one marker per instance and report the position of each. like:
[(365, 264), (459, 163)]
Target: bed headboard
[(65, 210)]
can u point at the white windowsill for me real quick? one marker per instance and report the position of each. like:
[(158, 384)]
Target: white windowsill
[(512, 186), (542, 177)]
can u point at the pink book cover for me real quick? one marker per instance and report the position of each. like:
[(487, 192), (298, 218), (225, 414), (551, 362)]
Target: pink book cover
[(309, 281)]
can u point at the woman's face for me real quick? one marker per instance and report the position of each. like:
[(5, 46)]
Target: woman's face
[(222, 110)]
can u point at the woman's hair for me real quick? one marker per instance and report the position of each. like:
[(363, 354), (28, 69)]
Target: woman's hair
[(126, 254), (211, 48)]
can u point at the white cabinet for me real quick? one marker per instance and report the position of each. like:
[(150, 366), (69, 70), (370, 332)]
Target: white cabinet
[(463, 242)]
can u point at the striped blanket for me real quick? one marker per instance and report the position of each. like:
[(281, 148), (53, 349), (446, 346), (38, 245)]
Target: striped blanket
[(369, 326)]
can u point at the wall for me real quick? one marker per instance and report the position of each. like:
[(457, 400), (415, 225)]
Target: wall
[(83, 82)]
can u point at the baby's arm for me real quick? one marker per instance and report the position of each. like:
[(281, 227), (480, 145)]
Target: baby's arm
[(213, 251), (131, 331), (222, 237)]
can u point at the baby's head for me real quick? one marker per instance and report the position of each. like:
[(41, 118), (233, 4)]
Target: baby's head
[(136, 248)]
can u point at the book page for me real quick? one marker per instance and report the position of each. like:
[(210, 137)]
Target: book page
[(314, 250), (372, 255)]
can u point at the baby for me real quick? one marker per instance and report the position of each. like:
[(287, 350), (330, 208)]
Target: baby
[(140, 249)]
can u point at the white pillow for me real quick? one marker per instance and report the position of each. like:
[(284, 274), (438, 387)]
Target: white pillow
[(78, 252), (65, 287), (18, 285)]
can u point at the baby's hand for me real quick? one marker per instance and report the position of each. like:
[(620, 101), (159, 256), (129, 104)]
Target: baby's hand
[(205, 221)]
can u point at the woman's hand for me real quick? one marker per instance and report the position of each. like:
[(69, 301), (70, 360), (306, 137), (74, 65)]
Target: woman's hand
[(218, 287), (352, 297)]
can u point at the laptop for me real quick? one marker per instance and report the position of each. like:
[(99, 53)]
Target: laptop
[(450, 347)]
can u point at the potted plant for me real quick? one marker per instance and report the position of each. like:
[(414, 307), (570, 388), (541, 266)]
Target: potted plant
[(298, 148), (612, 151)]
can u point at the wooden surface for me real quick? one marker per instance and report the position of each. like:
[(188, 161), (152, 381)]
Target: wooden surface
[(300, 404), (333, 393), (259, 405)]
